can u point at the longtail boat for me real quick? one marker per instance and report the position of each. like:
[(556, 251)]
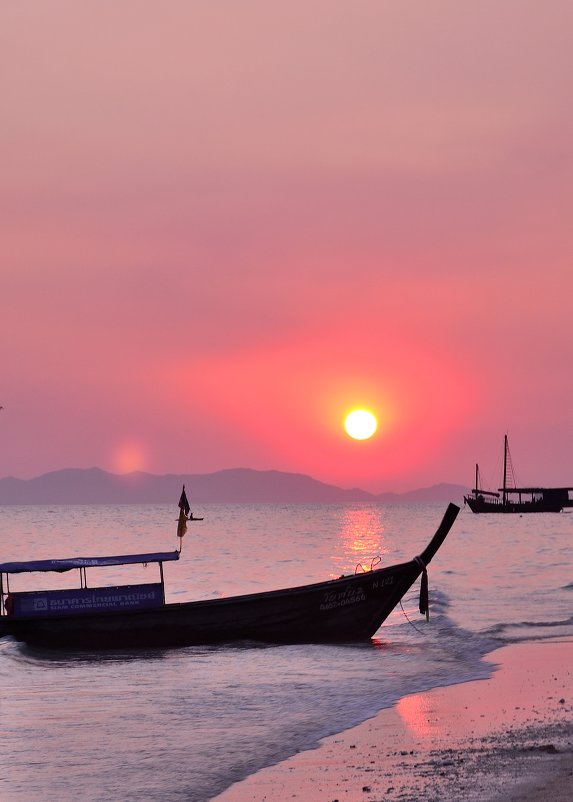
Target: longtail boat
[(350, 608)]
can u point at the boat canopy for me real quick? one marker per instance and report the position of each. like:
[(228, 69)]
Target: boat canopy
[(86, 562), (547, 490)]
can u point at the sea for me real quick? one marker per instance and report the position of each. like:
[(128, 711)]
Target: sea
[(185, 724)]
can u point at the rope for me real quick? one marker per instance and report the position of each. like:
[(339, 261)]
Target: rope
[(410, 621), (424, 602)]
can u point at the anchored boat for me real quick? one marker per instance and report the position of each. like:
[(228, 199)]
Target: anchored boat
[(516, 499), (350, 608)]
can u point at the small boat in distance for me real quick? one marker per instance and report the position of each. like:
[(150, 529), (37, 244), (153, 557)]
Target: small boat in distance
[(516, 499), (350, 608)]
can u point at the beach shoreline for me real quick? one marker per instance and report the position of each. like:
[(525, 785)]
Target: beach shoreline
[(508, 737)]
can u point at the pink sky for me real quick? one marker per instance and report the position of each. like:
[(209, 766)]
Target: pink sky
[(224, 225)]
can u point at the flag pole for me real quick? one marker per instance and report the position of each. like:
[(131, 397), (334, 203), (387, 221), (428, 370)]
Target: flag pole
[(184, 510), (185, 515)]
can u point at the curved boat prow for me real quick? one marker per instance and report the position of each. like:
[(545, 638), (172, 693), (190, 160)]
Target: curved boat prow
[(441, 533)]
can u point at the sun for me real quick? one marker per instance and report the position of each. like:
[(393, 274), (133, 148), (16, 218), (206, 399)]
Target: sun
[(360, 424)]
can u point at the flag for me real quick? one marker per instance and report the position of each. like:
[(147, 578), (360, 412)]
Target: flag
[(184, 510), (183, 503)]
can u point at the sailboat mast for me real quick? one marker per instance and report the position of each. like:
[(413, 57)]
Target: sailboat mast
[(505, 471), (477, 478)]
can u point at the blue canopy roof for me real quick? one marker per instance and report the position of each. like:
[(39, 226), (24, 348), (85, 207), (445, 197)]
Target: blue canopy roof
[(86, 562)]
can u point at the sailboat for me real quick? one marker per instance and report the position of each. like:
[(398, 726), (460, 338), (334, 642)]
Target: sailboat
[(516, 499)]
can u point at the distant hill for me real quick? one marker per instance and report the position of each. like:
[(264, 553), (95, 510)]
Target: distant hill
[(236, 485), (440, 492)]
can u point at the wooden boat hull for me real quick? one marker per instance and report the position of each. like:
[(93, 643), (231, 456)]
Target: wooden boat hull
[(512, 499), (340, 610), (346, 609), (543, 505)]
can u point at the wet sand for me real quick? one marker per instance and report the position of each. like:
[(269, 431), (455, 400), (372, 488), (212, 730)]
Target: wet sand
[(506, 738)]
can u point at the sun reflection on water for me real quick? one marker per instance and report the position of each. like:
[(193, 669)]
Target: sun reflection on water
[(362, 539)]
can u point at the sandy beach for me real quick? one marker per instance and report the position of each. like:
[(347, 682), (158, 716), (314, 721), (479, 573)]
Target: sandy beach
[(509, 737)]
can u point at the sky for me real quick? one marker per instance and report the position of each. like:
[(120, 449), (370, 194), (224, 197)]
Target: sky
[(224, 225)]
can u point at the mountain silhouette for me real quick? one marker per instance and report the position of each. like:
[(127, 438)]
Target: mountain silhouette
[(234, 485)]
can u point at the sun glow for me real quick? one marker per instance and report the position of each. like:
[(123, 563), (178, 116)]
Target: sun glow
[(129, 457), (360, 424)]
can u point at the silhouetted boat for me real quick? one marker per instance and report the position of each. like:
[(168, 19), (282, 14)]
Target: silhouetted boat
[(516, 499), (350, 608)]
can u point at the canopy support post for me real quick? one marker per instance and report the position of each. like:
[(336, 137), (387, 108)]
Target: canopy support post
[(162, 583)]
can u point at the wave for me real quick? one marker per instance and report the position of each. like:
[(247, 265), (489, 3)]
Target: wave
[(522, 631)]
